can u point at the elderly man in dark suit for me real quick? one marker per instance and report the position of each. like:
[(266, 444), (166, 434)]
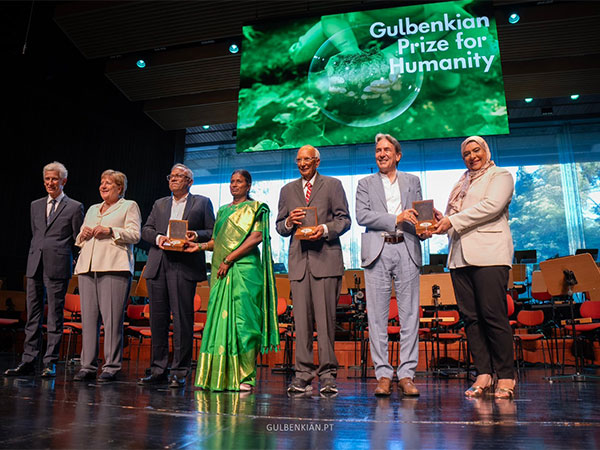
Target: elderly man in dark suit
[(172, 276), (55, 223), (391, 253), (315, 267)]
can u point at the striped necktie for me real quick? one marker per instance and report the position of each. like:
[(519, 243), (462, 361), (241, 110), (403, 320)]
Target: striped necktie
[(52, 210), (308, 190)]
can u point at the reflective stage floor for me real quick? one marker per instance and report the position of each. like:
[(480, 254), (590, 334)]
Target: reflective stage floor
[(59, 413)]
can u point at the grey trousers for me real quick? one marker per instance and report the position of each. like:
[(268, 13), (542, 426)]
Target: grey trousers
[(55, 295), (315, 300), (394, 265), (103, 299)]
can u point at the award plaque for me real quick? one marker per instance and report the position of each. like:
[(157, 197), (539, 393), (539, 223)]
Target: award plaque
[(176, 235), (426, 217), (309, 223)]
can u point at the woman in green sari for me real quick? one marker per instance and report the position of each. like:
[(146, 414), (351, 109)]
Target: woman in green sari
[(242, 310)]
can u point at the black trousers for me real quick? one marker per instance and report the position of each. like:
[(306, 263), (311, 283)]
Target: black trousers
[(171, 293), (481, 297)]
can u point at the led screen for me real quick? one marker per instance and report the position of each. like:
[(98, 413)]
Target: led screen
[(416, 72)]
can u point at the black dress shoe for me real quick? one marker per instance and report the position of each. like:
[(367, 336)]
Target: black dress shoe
[(177, 382), (49, 371), (106, 377), (84, 375), (153, 379), (25, 368)]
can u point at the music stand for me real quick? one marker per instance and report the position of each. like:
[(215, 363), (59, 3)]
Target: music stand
[(525, 256), (563, 277), (356, 279), (591, 251), (436, 289)]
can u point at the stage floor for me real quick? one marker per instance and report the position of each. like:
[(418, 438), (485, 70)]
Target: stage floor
[(58, 413)]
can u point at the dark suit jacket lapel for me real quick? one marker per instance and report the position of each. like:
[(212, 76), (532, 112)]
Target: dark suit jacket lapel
[(59, 209), (379, 190), (188, 206), (300, 192), (317, 186)]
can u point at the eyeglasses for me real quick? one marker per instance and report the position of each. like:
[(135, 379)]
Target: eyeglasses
[(305, 160), (177, 176)]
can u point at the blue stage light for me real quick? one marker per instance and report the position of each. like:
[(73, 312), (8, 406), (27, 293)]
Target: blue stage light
[(206, 127), (141, 63), (233, 48), (528, 100), (514, 18), (574, 96)]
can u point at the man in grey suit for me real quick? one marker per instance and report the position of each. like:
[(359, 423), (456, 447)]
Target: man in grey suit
[(315, 266), (172, 276), (55, 223), (391, 253)]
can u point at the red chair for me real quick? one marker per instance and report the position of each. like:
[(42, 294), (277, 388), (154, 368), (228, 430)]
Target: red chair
[(73, 327), (530, 323), (511, 310), (448, 337), (286, 335), (394, 330), (589, 331)]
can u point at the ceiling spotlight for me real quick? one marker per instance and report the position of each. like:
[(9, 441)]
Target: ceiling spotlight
[(205, 127), (574, 96), (528, 100), (514, 18), (140, 63), (233, 48)]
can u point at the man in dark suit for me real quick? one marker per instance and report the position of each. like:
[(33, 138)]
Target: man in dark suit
[(315, 267), (172, 276), (55, 223)]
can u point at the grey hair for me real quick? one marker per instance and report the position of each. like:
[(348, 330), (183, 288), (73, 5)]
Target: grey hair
[(55, 166), (119, 178), (185, 168), (391, 139)]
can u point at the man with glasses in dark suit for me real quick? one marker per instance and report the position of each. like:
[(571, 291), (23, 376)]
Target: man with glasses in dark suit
[(172, 277), (315, 266)]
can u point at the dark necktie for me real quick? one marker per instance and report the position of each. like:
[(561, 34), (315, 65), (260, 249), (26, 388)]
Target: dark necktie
[(52, 210)]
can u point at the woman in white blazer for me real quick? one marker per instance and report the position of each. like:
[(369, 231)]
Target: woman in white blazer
[(104, 268), (479, 259)]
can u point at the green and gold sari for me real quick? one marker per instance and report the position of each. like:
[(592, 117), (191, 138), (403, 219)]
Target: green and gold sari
[(242, 311)]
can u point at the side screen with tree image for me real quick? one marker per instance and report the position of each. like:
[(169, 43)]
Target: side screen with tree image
[(416, 72)]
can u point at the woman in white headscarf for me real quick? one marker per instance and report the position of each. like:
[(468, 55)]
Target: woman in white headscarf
[(479, 259)]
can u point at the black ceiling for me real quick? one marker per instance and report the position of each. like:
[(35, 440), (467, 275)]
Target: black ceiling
[(193, 80)]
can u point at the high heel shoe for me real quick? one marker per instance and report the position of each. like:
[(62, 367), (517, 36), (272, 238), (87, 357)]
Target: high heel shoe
[(478, 391), (507, 393)]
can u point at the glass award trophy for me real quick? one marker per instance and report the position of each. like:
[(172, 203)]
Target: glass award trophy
[(426, 218), (309, 223), (176, 235)]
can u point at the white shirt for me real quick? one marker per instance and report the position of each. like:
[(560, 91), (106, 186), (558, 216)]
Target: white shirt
[(312, 184), (393, 198), (177, 209), (49, 203)]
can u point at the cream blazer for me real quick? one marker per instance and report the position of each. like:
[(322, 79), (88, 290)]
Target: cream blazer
[(114, 253), (482, 224)]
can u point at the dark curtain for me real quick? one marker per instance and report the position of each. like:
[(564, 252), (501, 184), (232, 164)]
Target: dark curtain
[(58, 106)]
